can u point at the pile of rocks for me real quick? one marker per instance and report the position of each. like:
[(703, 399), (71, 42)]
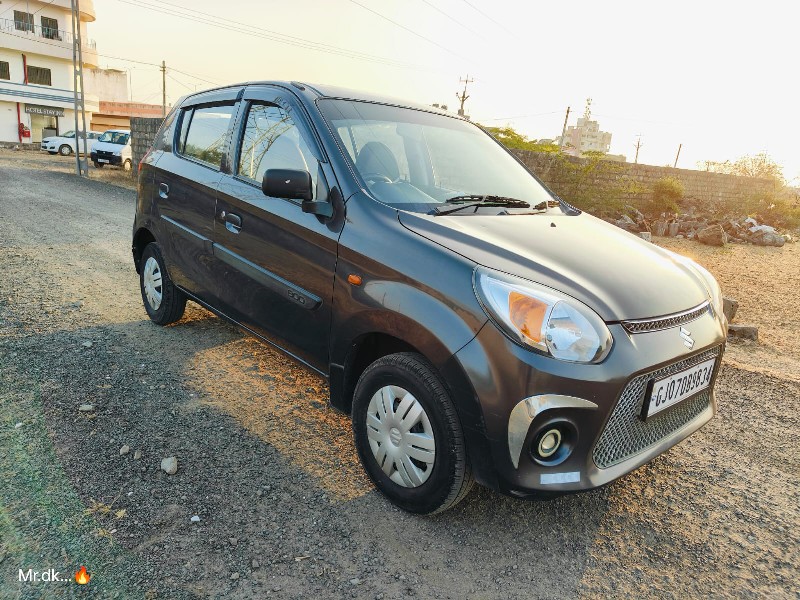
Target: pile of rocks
[(712, 232)]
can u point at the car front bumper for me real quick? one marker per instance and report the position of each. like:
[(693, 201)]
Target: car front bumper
[(596, 407), (107, 159)]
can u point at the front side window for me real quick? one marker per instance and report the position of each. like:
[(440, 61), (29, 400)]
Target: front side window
[(272, 140), (206, 134), (416, 160), (115, 137), (39, 75)]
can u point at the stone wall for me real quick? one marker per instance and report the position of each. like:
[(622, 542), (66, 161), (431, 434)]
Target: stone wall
[(706, 187), (143, 130)]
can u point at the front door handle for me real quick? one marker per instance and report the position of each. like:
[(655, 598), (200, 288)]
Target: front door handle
[(233, 223), (163, 190)]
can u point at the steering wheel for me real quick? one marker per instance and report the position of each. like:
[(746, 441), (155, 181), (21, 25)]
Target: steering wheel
[(377, 178)]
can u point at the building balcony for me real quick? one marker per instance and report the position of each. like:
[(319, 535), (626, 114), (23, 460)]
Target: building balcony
[(87, 8), (36, 39)]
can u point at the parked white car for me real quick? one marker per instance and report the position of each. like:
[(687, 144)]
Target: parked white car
[(64, 144), (113, 148)]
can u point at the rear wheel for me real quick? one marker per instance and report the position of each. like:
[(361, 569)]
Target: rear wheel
[(408, 435), (65, 150), (163, 301)]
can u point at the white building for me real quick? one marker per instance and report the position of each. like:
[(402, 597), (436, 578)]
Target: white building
[(586, 136), (36, 68)]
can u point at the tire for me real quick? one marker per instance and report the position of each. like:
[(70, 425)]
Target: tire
[(98, 165), (126, 165), (163, 302), (65, 150), (415, 483)]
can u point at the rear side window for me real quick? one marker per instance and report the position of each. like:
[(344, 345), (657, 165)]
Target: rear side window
[(272, 140), (204, 134)]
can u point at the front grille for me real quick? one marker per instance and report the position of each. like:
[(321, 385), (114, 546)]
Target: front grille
[(646, 325), (626, 434), (104, 154)]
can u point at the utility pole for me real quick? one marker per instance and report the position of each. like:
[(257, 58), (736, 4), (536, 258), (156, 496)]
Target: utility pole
[(85, 162), (163, 89), (563, 130), (462, 97), (638, 145), (81, 167), (675, 166)]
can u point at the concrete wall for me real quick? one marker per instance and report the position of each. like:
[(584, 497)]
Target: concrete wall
[(699, 185), (110, 85), (143, 130)]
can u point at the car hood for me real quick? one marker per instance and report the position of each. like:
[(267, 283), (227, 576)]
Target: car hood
[(617, 274)]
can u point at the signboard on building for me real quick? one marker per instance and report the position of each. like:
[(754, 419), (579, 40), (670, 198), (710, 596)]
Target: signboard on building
[(49, 111)]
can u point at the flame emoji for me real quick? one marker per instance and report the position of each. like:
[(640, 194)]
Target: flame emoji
[(81, 576)]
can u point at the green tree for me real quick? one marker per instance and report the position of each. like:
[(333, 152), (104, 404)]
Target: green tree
[(512, 139), (759, 165)]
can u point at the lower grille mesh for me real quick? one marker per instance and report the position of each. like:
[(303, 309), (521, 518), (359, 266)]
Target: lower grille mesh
[(626, 434)]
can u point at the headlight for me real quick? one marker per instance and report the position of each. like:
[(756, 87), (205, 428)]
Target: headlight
[(117, 152), (542, 318)]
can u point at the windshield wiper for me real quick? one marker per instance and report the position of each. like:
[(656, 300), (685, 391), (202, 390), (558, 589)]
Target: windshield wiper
[(469, 201)]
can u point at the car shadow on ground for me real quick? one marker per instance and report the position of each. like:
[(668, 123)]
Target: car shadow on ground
[(272, 474)]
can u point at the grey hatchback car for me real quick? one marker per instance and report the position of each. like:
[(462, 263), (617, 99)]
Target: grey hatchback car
[(475, 326)]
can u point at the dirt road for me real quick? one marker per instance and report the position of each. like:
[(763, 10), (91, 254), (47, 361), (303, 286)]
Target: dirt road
[(272, 474)]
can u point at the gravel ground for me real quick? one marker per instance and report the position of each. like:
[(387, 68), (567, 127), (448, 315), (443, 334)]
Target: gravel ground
[(271, 471)]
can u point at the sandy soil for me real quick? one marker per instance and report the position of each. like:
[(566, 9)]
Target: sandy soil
[(272, 473)]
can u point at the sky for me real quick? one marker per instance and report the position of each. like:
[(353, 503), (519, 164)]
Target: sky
[(720, 78)]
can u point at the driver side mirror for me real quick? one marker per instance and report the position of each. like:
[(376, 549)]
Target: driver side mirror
[(294, 184), (287, 183)]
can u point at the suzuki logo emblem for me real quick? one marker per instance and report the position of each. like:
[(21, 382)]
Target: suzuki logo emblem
[(687, 338)]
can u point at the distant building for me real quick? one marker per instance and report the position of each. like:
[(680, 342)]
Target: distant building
[(36, 80), (586, 136), (36, 92)]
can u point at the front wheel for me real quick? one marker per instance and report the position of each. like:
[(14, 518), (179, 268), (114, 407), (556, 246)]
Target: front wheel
[(65, 150), (408, 435), (98, 165), (163, 301), (126, 165)]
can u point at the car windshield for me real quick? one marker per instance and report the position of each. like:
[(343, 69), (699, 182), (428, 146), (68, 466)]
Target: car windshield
[(69, 134), (114, 137), (416, 160)]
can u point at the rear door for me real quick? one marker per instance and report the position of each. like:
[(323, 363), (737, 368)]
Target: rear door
[(185, 182), (279, 262)]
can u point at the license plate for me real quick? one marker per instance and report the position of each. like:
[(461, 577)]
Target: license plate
[(103, 160), (669, 391)]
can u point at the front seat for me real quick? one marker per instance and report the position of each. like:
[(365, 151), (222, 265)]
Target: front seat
[(376, 158)]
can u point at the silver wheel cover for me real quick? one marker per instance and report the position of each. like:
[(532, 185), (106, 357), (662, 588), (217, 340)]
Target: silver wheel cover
[(151, 280), (400, 436)]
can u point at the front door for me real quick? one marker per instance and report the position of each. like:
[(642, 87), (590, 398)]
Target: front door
[(279, 262)]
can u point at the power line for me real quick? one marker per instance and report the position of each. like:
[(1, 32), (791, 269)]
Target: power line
[(475, 8), (453, 19), (321, 45), (411, 31), (237, 27), (552, 112)]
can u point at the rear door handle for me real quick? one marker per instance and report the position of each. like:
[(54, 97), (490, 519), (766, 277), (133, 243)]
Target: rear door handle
[(233, 223), (163, 190)]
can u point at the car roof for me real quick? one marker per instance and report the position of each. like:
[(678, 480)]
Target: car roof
[(117, 131), (314, 91)]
